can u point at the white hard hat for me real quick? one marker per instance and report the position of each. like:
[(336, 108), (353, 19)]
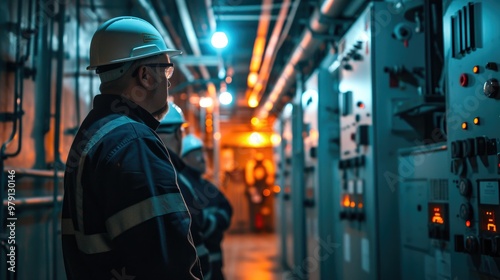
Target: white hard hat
[(190, 143), (173, 119), (124, 39)]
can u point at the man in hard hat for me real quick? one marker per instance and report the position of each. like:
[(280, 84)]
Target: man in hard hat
[(171, 132), (216, 207), (123, 215)]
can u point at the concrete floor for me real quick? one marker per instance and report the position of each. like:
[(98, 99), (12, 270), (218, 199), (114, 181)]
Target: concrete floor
[(252, 257)]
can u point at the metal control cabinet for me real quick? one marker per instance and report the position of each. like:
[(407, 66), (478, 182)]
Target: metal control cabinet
[(283, 159), (376, 56), (472, 40), (424, 212)]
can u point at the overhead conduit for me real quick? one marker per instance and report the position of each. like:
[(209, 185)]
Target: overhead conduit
[(307, 46)]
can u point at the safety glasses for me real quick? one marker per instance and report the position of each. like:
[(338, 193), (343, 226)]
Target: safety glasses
[(169, 68)]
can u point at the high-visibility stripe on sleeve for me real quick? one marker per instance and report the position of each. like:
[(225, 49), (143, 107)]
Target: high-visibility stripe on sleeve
[(201, 250), (213, 257), (220, 211), (147, 209), (105, 129), (211, 227), (87, 243)]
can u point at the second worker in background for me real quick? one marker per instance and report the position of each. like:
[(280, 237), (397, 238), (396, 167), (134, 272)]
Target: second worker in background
[(216, 208)]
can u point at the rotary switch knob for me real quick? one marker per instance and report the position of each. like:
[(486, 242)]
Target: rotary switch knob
[(466, 211), (471, 244), (464, 187), (491, 88)]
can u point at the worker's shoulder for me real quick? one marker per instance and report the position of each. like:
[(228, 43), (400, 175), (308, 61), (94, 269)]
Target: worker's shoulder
[(121, 126)]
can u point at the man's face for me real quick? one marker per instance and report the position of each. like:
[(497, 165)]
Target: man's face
[(160, 94), (196, 159)]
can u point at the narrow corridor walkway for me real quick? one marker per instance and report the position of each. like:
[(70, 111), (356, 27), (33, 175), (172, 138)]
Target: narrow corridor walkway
[(252, 257)]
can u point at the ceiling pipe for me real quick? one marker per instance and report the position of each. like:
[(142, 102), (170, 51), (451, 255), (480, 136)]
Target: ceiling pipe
[(210, 15), (187, 24), (158, 23), (270, 53), (307, 46)]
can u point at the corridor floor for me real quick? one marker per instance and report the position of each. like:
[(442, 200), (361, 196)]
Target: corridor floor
[(252, 257)]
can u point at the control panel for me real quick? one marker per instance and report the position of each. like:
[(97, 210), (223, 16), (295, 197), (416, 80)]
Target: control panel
[(377, 62), (473, 106)]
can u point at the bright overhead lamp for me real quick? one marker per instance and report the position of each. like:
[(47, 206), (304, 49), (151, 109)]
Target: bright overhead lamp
[(225, 98), (219, 40)]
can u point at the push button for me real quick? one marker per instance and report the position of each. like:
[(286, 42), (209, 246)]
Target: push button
[(481, 143), (457, 149), (469, 149)]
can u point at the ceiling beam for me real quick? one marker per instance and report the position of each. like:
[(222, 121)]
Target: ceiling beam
[(243, 17), (206, 60), (246, 8)]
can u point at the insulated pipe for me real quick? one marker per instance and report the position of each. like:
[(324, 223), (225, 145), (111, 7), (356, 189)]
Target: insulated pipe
[(42, 84), (35, 201), (307, 46), (61, 23), (158, 23), (191, 34)]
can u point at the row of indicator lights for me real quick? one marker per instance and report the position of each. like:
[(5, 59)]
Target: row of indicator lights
[(464, 80), (490, 225), (348, 203), (475, 121)]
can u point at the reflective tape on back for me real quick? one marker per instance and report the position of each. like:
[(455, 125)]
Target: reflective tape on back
[(103, 131)]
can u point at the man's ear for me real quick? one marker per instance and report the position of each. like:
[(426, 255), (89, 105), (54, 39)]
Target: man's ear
[(146, 79)]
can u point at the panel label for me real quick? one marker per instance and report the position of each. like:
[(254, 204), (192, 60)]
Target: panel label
[(488, 192)]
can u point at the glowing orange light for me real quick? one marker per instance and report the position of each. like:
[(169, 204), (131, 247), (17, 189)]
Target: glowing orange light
[(255, 121), (353, 204), (314, 134), (491, 226), (275, 139), (347, 201), (467, 223), (464, 125), (253, 102), (476, 120), (436, 218), (266, 192), (360, 205), (276, 189), (252, 79), (475, 69), (217, 136)]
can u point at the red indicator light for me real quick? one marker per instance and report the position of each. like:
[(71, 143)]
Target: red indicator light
[(464, 80), (361, 105), (467, 223)]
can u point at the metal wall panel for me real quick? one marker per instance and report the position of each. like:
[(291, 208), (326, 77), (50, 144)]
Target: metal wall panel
[(372, 54), (423, 212)]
